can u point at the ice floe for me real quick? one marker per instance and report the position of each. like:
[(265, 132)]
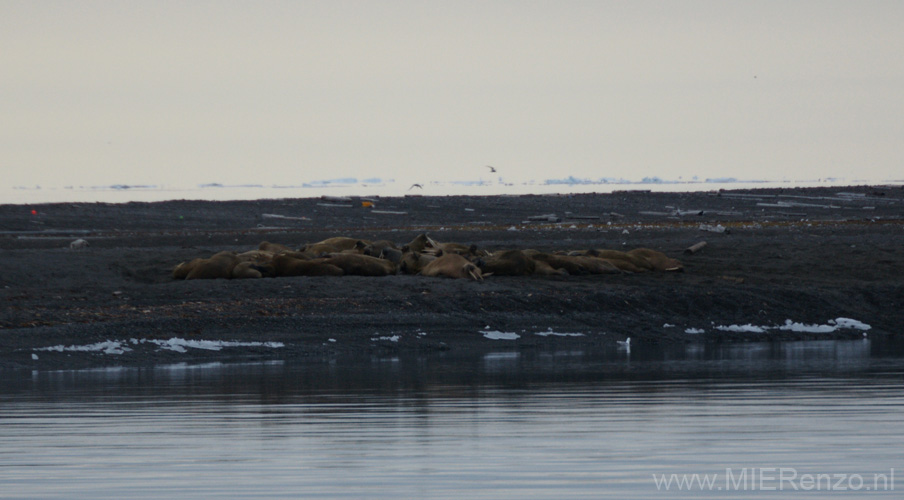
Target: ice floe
[(108, 347), (748, 328), (182, 345), (497, 335), (831, 325), (393, 338), (550, 332), (174, 344)]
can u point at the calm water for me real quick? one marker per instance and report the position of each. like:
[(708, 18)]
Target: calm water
[(758, 421)]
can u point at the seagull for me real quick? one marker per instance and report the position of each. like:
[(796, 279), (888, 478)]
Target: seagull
[(625, 344), (415, 186), (491, 168)]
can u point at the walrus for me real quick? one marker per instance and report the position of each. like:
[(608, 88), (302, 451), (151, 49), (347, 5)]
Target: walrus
[(543, 269), (361, 265), (658, 260), (257, 260), (576, 264), (420, 243), (452, 265), (287, 265), (622, 260), (413, 262), (266, 246), (376, 248), (337, 243), (458, 248), (393, 255), (219, 265), (556, 261), (508, 263), (247, 270)]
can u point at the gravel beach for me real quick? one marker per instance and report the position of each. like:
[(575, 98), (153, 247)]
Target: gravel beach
[(777, 264)]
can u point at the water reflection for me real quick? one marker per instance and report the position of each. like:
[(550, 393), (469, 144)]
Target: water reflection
[(506, 424), (506, 368)]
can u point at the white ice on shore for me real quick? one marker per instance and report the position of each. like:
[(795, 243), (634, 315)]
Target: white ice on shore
[(393, 338), (180, 345), (741, 328), (173, 344), (550, 332), (497, 335), (108, 347), (831, 325)]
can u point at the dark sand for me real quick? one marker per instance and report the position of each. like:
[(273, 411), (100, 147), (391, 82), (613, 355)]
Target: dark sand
[(808, 255)]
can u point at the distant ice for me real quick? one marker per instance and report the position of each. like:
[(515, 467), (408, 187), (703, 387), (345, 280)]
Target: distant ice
[(742, 328), (831, 325), (393, 338), (694, 331), (373, 186), (850, 323), (181, 345), (550, 332), (108, 347), (497, 335), (173, 344), (800, 327)]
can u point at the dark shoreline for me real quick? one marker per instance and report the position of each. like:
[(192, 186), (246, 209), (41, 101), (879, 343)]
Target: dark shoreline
[(806, 255)]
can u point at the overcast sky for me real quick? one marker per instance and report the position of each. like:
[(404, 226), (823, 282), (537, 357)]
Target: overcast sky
[(186, 92)]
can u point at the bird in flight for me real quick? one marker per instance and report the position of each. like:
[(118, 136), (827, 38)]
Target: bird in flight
[(491, 168), (415, 186)]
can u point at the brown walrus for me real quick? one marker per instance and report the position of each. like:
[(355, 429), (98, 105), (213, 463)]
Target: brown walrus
[(335, 244), (622, 260), (452, 265), (222, 265), (267, 246), (287, 265), (508, 263), (576, 264), (413, 262), (420, 243), (361, 265), (658, 260)]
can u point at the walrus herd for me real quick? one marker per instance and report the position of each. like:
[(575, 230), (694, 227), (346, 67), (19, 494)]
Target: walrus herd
[(423, 255)]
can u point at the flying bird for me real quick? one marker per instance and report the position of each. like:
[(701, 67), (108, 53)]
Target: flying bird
[(415, 186), (491, 168)]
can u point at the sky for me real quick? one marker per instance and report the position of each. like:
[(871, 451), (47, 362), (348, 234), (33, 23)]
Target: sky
[(281, 92)]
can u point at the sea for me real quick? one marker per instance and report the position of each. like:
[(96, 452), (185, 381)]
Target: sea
[(814, 419)]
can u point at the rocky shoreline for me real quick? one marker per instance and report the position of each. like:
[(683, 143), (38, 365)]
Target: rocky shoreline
[(776, 264)]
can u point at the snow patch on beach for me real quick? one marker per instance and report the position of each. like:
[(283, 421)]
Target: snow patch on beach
[(497, 335)]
